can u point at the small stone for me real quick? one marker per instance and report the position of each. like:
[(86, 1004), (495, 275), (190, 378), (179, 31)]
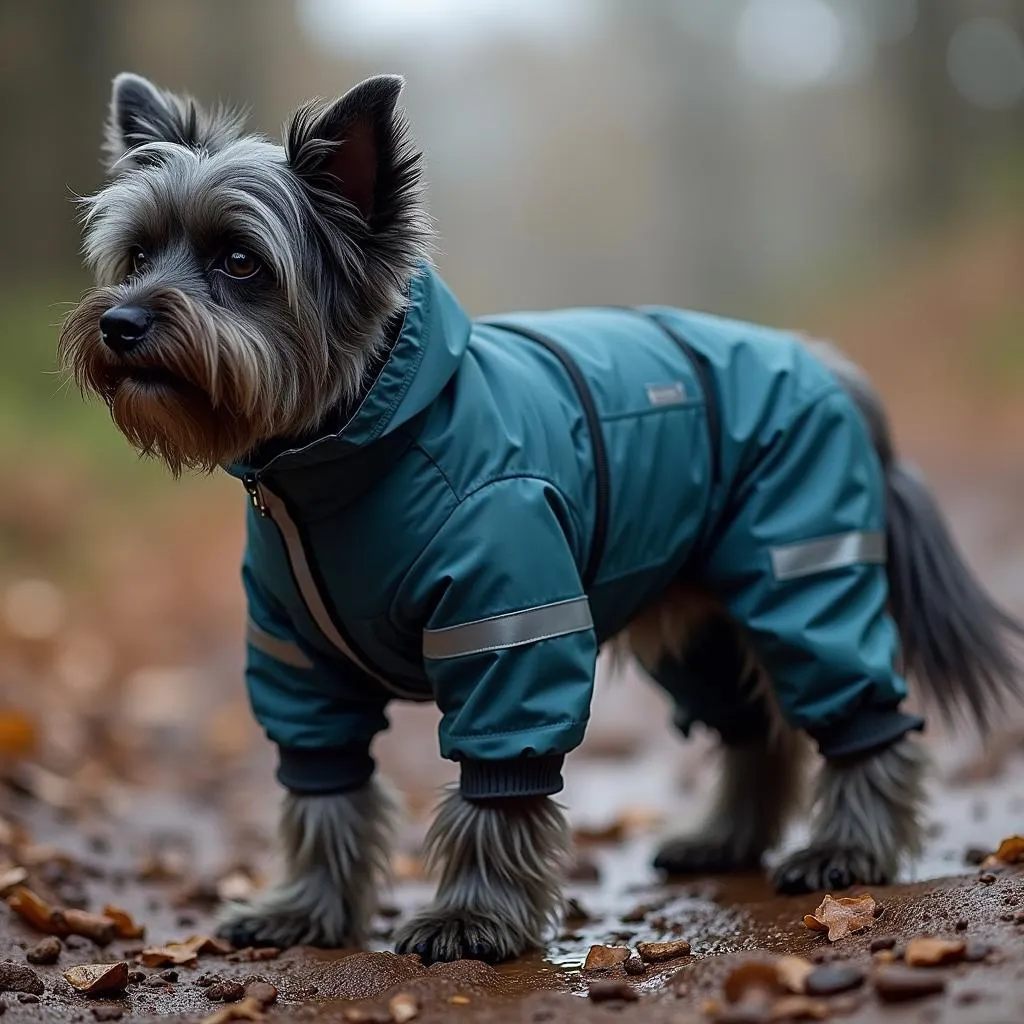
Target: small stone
[(832, 979), (155, 981), (225, 991), (987, 878), (107, 1012), (961, 924), (882, 942), (263, 992), (975, 854), (98, 979), (896, 984), (28, 997), (136, 977), (607, 991), (603, 958), (661, 952), (206, 980), (635, 965), (19, 978), (926, 951), (169, 975), (47, 951)]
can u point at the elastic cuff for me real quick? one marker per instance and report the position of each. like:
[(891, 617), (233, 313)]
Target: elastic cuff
[(517, 776), (319, 770), (867, 730)]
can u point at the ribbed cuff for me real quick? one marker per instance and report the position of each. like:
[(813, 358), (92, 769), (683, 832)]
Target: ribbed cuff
[(867, 730), (321, 770), (517, 776)]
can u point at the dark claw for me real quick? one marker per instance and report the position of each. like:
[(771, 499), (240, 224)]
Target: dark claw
[(838, 879), (481, 951)]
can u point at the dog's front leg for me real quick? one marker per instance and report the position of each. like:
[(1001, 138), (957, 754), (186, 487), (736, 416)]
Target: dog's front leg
[(867, 818), (335, 848), (501, 865)]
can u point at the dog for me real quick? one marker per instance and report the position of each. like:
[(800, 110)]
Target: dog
[(467, 511)]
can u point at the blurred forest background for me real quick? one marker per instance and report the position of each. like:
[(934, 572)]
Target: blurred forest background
[(850, 167)]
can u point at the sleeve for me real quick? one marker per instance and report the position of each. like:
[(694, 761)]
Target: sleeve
[(508, 642), (321, 714), (801, 566)]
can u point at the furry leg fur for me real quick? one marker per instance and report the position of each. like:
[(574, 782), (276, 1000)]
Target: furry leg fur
[(758, 792), (335, 854), (866, 820), (501, 863)]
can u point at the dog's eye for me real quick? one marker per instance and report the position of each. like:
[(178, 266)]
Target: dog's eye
[(240, 264), (138, 258)]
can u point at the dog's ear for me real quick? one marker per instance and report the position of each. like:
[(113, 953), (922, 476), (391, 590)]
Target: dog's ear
[(141, 113), (357, 146)]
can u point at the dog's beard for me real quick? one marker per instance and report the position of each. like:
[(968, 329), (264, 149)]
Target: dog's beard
[(197, 393)]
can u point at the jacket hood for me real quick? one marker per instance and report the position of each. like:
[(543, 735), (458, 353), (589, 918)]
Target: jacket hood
[(429, 347)]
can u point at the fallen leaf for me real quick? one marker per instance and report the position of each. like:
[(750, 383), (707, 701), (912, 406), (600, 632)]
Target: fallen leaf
[(180, 954), (123, 922), (752, 978), (602, 958), (929, 952), (841, 917), (246, 1009), (10, 878), (799, 1008), (1011, 851), (659, 952), (18, 734), (94, 979), (792, 973), (58, 920)]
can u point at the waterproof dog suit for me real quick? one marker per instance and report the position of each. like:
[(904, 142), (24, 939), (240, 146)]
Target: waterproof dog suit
[(509, 494)]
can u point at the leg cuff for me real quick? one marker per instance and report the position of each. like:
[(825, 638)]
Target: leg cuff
[(321, 770), (517, 776), (866, 730)]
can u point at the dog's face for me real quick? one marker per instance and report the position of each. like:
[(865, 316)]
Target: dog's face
[(242, 286)]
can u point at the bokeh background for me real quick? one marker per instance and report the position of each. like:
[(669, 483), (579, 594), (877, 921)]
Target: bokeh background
[(848, 167)]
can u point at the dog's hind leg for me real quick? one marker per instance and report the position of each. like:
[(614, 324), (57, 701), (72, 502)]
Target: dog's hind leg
[(758, 792), (502, 863), (335, 850), (867, 818)]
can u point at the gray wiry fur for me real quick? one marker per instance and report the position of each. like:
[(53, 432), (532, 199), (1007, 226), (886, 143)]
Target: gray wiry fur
[(866, 820), (502, 864), (336, 220), (758, 792), (335, 850)]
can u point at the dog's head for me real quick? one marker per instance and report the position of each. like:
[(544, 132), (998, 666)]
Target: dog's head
[(242, 287)]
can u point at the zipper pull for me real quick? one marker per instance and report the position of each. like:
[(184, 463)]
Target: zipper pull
[(252, 486)]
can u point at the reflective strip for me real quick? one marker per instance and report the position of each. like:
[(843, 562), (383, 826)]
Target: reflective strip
[(274, 647), (813, 556), (512, 630), (666, 394)]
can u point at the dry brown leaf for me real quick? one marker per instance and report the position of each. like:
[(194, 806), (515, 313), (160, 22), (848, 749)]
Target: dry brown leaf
[(840, 917), (18, 734), (95, 979), (799, 1008), (750, 978), (1011, 851), (180, 954), (246, 1009), (602, 958), (928, 952), (792, 973), (124, 923), (59, 921), (10, 878)]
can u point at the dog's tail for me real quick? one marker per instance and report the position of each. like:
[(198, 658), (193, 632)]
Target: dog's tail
[(960, 647)]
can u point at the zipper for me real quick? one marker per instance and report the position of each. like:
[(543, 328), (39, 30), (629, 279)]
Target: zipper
[(269, 506)]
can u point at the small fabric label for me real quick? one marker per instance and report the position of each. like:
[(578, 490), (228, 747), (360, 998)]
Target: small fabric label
[(666, 394)]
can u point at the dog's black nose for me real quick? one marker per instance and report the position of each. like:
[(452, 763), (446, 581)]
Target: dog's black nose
[(123, 327)]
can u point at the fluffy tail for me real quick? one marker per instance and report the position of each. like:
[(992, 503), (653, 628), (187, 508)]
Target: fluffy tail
[(957, 643), (961, 648)]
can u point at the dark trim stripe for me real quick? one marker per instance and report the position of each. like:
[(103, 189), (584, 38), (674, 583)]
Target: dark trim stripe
[(602, 482), (514, 629), (793, 561), (274, 647)]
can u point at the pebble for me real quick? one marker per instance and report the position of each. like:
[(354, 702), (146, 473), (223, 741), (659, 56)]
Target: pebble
[(602, 958), (263, 992), (28, 997), (660, 952), (896, 984), (883, 942), (136, 977), (19, 978), (635, 965), (832, 979), (45, 952), (606, 991), (961, 924), (225, 991), (169, 975), (987, 879)]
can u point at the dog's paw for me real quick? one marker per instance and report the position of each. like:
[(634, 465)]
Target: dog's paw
[(445, 935), (829, 867), (703, 855), (264, 924)]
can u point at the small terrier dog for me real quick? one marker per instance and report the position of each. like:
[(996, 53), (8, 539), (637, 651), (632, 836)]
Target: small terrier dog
[(465, 511)]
